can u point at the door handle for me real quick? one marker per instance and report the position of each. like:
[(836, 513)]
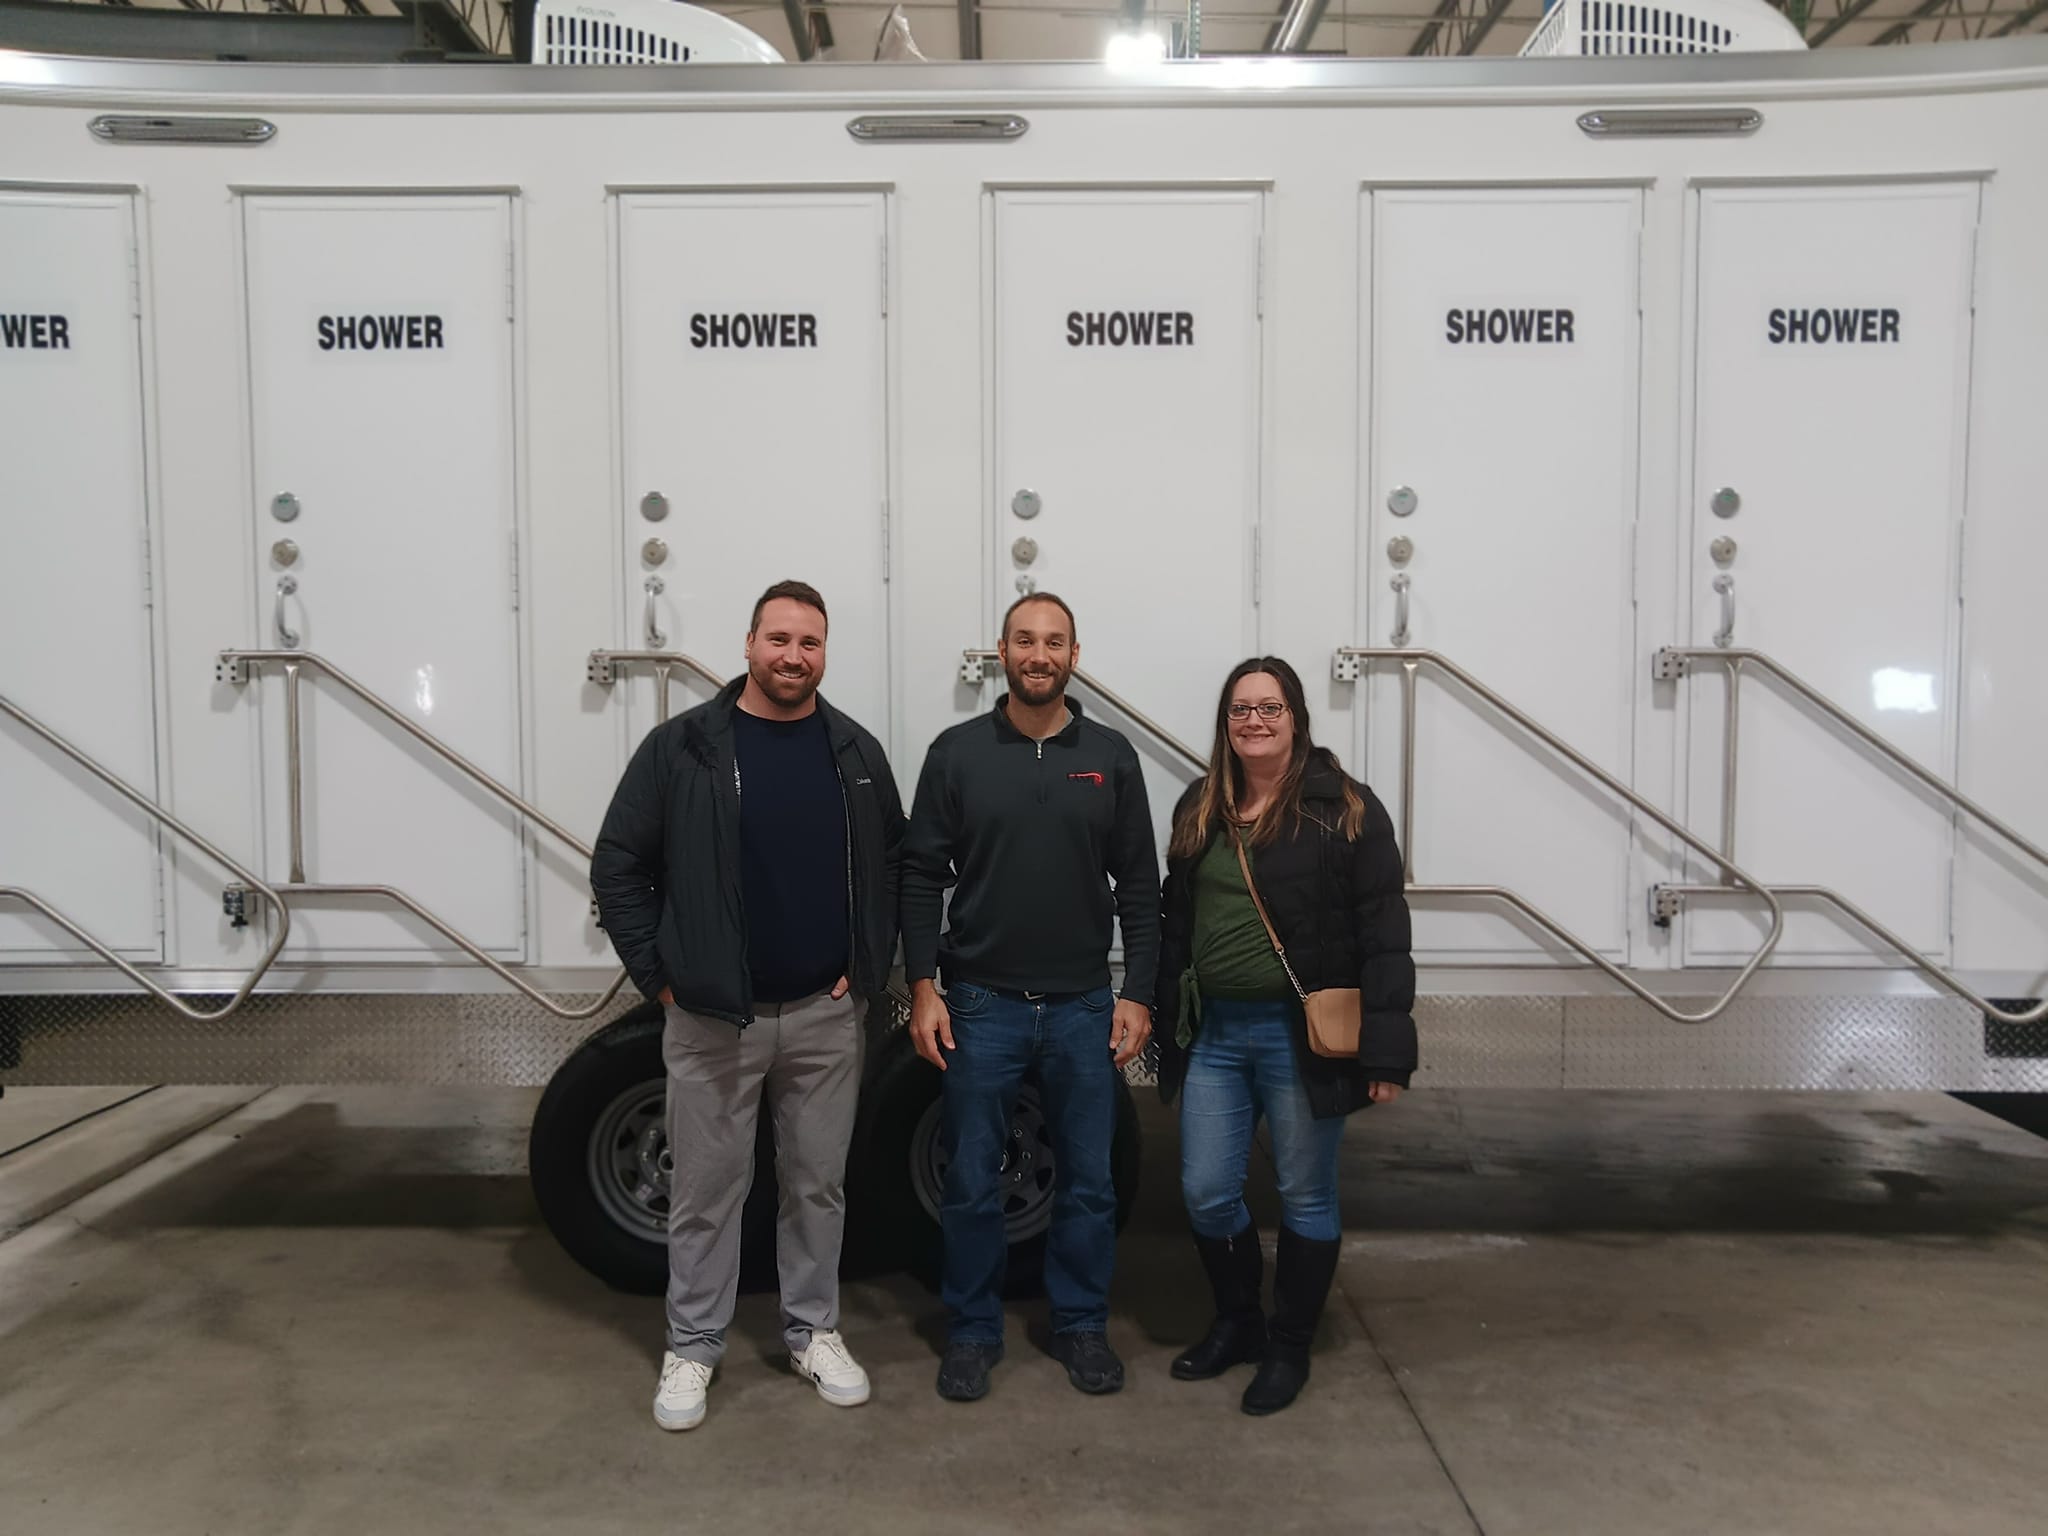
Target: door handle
[(1400, 586), (286, 635), (1725, 635), (656, 640)]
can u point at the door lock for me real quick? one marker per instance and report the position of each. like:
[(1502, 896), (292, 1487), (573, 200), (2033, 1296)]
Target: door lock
[(654, 506), (654, 551), (1726, 502), (1400, 549), (1401, 501), (1026, 504), (285, 552), (284, 506), (1723, 551), (1024, 551)]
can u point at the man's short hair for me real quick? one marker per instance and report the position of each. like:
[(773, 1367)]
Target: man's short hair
[(797, 592), (1040, 597)]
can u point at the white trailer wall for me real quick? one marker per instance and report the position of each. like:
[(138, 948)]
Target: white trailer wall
[(1316, 153)]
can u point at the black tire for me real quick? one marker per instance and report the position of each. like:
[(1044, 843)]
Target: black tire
[(892, 1217), (597, 1157)]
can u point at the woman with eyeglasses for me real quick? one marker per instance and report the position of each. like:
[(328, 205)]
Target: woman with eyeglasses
[(1275, 820)]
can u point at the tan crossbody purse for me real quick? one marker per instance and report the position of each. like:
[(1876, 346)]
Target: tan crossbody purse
[(1333, 1012)]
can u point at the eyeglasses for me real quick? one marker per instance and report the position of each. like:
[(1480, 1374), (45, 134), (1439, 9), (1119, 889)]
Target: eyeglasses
[(1269, 710)]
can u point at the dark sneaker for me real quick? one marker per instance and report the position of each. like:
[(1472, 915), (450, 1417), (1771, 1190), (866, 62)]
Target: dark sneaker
[(963, 1373), (1092, 1366)]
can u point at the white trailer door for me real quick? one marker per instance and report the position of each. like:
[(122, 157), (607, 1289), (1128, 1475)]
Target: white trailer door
[(75, 630), (755, 383), (381, 370), (1127, 388), (1830, 427), (1501, 488)]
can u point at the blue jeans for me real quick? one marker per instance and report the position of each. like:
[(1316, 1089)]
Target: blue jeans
[(1063, 1039), (1242, 1066)]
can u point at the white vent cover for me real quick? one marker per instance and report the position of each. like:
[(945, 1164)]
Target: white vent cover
[(642, 32), (1606, 28)]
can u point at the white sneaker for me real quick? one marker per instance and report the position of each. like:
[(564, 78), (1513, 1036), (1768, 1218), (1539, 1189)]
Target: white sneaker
[(679, 1400), (840, 1380)]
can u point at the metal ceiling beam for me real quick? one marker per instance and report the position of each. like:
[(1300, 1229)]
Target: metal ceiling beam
[(1904, 29), (1485, 24), (1468, 21), (799, 21), (1297, 26), (1425, 40), (1839, 20), (2019, 23)]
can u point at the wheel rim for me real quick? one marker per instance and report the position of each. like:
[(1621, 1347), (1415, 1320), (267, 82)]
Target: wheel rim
[(1028, 1173), (629, 1164)]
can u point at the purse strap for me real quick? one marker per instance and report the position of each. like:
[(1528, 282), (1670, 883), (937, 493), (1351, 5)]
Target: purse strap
[(1252, 886)]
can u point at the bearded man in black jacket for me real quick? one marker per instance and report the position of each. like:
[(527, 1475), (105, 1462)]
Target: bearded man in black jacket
[(747, 875)]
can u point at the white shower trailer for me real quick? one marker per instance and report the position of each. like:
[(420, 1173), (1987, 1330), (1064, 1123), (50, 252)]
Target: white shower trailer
[(1643, 457)]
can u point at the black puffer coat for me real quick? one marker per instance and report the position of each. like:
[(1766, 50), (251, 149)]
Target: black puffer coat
[(1343, 919)]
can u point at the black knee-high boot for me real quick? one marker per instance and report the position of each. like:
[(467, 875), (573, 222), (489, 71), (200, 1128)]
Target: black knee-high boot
[(1302, 1271), (1238, 1335)]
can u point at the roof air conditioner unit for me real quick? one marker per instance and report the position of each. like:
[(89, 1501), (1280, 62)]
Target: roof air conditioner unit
[(642, 32), (1575, 28)]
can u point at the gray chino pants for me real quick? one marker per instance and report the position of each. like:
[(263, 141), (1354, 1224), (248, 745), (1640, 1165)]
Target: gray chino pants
[(804, 1058)]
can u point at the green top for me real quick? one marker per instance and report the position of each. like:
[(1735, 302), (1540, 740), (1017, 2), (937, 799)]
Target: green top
[(1233, 957)]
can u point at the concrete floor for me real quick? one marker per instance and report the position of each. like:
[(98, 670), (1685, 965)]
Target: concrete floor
[(333, 1311)]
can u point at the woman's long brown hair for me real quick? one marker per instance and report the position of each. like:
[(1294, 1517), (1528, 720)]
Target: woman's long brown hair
[(1223, 785)]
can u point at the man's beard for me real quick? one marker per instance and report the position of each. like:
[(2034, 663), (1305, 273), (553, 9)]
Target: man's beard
[(1038, 690), (786, 691)]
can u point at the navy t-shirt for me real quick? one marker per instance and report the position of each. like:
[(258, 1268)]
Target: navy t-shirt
[(793, 856)]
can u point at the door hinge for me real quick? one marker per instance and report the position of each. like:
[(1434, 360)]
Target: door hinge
[(1642, 267), (885, 275), (515, 571), (1976, 265), (1962, 558), (511, 283), (1258, 566), (1635, 565), (1259, 279), (885, 539), (134, 279), (148, 571)]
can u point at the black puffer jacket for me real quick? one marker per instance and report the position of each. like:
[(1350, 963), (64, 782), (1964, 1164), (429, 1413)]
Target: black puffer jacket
[(666, 871), (1343, 920)]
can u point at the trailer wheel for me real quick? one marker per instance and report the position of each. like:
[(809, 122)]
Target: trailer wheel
[(897, 1170), (600, 1163)]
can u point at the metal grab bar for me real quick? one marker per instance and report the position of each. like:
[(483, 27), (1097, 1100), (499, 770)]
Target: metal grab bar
[(1412, 661), (235, 668), (603, 669), (135, 797), (1675, 663), (974, 671)]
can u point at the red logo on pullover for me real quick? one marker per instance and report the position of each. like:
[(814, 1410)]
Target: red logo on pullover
[(1092, 778)]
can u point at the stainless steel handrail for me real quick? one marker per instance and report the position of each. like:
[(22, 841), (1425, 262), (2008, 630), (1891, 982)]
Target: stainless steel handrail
[(1412, 660), (135, 797), (235, 667), (976, 659), (603, 666), (1675, 662)]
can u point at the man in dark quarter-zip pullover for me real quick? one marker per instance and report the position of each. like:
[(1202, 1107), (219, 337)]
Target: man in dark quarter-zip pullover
[(746, 874), (1037, 819)]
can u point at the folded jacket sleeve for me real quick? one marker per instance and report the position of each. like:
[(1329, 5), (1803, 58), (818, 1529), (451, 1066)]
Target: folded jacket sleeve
[(927, 869), (627, 867), (1380, 932), (1134, 866)]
